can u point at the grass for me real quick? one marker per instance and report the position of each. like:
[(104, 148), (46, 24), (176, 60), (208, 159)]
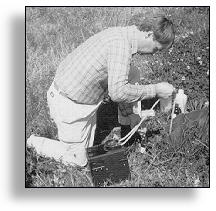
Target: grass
[(52, 33)]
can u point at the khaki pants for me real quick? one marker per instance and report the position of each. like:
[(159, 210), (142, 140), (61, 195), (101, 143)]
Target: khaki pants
[(76, 124), (74, 121)]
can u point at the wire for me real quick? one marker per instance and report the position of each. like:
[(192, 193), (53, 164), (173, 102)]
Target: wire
[(130, 134)]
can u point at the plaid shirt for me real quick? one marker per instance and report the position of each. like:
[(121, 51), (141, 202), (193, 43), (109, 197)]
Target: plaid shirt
[(101, 65)]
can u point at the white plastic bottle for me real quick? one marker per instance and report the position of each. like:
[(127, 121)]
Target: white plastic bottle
[(180, 103)]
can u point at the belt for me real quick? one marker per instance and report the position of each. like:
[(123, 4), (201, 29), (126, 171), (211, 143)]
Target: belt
[(58, 90), (56, 87)]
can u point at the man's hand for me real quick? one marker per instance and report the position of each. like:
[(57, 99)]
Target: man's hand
[(164, 90)]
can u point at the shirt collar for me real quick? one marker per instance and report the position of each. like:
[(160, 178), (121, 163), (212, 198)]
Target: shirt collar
[(132, 36)]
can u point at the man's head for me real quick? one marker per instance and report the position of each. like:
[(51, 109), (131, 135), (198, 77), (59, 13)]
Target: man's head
[(155, 34)]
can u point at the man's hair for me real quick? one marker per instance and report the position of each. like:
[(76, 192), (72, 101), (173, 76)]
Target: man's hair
[(162, 28)]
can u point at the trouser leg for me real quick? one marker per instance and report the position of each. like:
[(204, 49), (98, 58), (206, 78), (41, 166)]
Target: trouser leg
[(76, 126)]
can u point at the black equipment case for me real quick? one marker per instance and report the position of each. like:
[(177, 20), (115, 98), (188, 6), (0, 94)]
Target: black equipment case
[(109, 166)]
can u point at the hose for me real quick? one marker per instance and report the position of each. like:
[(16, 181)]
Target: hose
[(126, 138)]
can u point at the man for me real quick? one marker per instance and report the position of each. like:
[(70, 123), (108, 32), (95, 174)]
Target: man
[(100, 66)]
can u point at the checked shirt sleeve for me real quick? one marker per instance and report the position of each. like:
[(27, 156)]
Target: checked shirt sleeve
[(118, 62)]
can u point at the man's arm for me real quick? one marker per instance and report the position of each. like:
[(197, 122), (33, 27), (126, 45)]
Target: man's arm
[(118, 62)]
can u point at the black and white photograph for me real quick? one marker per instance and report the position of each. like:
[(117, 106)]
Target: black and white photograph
[(117, 97)]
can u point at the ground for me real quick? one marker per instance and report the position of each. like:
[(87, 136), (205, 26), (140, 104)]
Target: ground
[(52, 33)]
